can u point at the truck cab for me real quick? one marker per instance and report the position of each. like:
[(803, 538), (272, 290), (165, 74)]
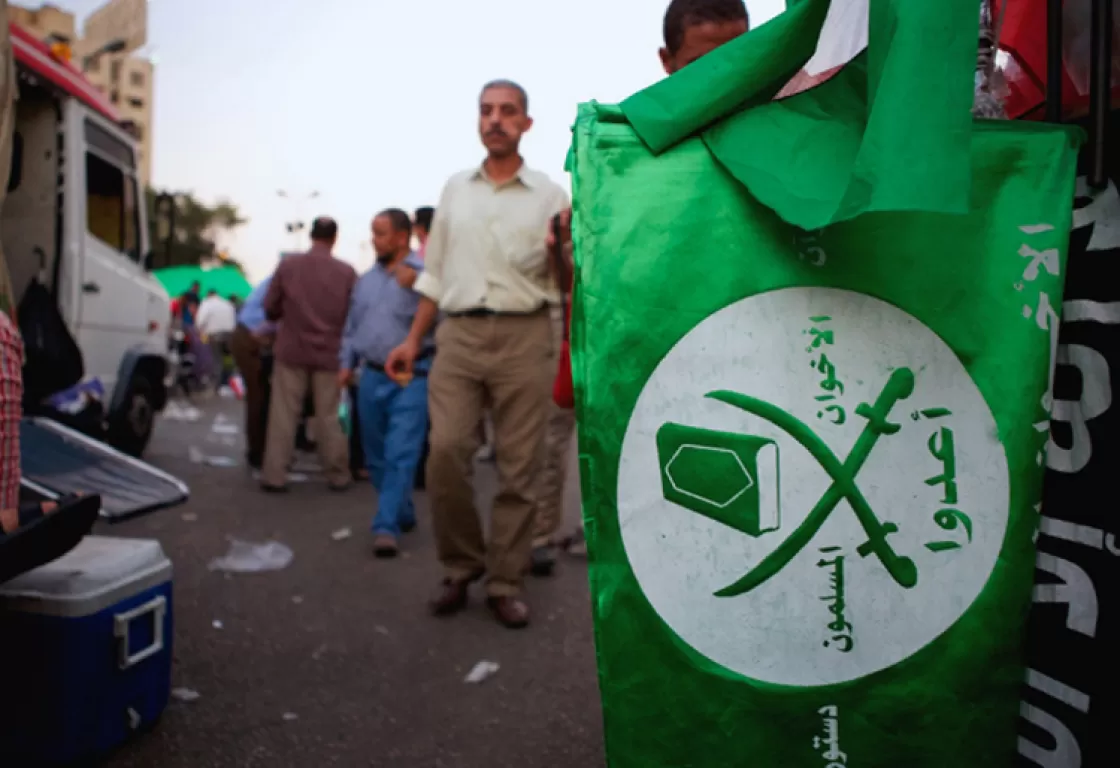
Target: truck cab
[(75, 220)]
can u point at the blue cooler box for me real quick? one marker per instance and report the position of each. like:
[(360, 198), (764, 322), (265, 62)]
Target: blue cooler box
[(85, 644)]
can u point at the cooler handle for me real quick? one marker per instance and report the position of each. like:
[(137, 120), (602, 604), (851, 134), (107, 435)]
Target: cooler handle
[(122, 622)]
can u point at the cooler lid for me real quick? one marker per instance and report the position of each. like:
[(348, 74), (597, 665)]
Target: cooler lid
[(96, 573)]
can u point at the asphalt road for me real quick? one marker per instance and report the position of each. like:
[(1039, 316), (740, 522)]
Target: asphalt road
[(334, 661)]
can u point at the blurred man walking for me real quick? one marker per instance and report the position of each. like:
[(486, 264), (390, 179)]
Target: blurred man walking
[(393, 410), (308, 297), (487, 269)]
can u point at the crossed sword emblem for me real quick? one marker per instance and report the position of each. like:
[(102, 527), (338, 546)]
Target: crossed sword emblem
[(902, 569)]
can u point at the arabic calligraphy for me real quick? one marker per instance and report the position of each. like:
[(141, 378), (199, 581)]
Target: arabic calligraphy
[(942, 446), (809, 248), (830, 386), (840, 627), (830, 739)]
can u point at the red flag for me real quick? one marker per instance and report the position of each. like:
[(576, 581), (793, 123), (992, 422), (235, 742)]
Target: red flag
[(1023, 40)]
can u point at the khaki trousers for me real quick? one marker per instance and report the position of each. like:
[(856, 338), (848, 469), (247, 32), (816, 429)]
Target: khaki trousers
[(554, 459), (503, 361), (289, 389)]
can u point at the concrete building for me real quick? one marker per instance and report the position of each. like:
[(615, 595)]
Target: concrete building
[(46, 22), (125, 79)]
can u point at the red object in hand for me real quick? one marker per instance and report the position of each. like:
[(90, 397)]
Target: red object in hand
[(563, 390)]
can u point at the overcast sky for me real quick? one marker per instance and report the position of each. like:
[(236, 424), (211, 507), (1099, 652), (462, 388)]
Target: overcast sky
[(371, 102)]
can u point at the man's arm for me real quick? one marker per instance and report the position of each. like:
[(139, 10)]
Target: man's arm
[(403, 357), (349, 330), (203, 317), (408, 271), (426, 313), (430, 281), (563, 212), (274, 300)]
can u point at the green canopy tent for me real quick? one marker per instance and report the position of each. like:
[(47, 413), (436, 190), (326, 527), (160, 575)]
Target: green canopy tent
[(227, 280)]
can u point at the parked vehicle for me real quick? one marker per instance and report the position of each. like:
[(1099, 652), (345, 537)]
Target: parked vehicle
[(74, 221)]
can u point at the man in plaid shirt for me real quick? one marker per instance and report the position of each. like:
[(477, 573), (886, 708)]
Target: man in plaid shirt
[(11, 345), (11, 395)]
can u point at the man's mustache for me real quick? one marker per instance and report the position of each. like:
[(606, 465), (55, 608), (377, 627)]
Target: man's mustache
[(496, 132)]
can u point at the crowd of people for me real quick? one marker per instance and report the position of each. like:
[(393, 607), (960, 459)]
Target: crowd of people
[(437, 347), (205, 326), (433, 347)]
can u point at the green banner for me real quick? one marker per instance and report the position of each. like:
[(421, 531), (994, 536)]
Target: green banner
[(812, 460), (850, 106)]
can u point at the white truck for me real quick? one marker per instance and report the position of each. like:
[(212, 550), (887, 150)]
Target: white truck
[(75, 219)]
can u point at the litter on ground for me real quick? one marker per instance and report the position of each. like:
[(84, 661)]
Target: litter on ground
[(247, 557), (481, 672)]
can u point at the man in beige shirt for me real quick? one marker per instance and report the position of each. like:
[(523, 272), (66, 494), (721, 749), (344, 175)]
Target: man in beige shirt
[(486, 267)]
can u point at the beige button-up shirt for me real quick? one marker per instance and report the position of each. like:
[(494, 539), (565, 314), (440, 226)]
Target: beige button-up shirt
[(487, 245)]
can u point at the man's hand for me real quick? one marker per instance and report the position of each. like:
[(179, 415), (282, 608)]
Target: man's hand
[(401, 359), (565, 229), (345, 376), (406, 276)]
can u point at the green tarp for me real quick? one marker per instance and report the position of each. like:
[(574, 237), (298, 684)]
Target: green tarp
[(226, 280), (811, 460)]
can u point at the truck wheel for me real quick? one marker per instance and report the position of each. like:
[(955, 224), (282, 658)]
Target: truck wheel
[(131, 427)]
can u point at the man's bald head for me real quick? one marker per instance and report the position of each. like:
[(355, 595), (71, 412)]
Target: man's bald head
[(324, 230)]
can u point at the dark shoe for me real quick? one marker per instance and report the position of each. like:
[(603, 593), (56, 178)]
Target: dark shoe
[(385, 546), (542, 562), (452, 597), (576, 544), (408, 527), (274, 488), (510, 612), (340, 487)]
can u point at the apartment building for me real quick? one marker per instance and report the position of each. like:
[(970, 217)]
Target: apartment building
[(125, 79), (46, 22)]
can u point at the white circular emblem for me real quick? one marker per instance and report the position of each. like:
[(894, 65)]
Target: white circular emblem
[(811, 487)]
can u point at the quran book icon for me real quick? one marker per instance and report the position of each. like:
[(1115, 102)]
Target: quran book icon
[(727, 477)]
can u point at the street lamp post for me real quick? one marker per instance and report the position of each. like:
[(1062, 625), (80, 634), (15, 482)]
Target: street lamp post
[(296, 226)]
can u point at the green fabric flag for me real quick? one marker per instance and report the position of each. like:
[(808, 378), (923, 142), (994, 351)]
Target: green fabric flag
[(811, 460), (889, 132)]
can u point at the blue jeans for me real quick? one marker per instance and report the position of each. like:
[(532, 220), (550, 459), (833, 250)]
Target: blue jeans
[(394, 422)]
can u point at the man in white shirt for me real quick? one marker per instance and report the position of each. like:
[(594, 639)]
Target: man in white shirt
[(486, 268), (216, 320)]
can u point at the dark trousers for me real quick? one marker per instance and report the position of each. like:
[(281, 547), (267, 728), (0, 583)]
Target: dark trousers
[(357, 454), (248, 354)]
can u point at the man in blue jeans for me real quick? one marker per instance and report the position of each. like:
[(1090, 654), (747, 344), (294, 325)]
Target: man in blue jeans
[(393, 412)]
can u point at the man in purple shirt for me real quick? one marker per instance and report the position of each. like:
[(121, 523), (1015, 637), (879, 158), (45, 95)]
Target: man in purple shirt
[(309, 297)]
